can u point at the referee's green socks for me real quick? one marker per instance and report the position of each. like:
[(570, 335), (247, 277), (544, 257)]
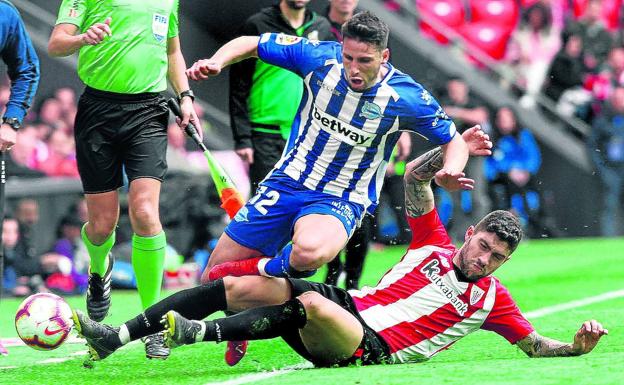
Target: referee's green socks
[(148, 259), (98, 253)]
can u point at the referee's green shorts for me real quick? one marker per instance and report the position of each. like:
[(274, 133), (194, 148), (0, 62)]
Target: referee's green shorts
[(120, 131)]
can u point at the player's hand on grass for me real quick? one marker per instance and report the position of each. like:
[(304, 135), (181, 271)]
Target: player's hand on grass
[(452, 181), (189, 115), (246, 154), (478, 141), (587, 337), (97, 32), (203, 69)]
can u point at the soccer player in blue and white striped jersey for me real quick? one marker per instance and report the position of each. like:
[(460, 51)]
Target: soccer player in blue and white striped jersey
[(353, 108)]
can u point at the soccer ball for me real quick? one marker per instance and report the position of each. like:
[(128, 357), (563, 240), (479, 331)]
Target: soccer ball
[(43, 321)]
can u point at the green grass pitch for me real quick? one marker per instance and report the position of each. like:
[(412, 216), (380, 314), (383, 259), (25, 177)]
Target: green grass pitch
[(542, 273)]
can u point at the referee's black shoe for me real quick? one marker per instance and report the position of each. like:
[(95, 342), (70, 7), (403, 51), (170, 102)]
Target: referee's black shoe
[(99, 292)]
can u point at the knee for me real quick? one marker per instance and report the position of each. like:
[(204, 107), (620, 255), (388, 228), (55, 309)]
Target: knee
[(314, 304), (204, 277), (235, 288), (244, 292), (307, 255), (144, 213), (101, 225), (216, 257)]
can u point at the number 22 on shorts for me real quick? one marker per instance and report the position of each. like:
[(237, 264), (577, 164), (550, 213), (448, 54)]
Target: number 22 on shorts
[(270, 198)]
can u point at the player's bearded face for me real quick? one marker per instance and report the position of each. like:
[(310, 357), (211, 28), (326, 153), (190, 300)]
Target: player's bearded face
[(363, 64), (481, 255)]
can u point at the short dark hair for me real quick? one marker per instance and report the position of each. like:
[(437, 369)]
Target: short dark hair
[(505, 225), (367, 28)]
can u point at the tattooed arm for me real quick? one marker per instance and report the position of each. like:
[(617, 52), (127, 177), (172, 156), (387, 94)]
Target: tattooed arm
[(420, 172), (585, 339), (417, 180)]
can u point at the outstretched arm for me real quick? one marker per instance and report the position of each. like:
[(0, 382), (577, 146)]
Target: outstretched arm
[(455, 155), (231, 52), (585, 339), (419, 172)]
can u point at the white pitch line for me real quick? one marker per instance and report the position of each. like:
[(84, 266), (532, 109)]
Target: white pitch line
[(532, 314), (54, 360), (12, 342), (548, 310), (263, 375)]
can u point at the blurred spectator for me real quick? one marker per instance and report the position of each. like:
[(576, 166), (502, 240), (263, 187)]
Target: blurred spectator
[(43, 131), (179, 159), (61, 156), (390, 220), (610, 75), (66, 265), (459, 207), (21, 160), (22, 273), (5, 93), (27, 215), (79, 210), (559, 10), (51, 113), (597, 41), (337, 13), (606, 146), (12, 253), (461, 106), (511, 169), (566, 75), (532, 49), (67, 103), (615, 65)]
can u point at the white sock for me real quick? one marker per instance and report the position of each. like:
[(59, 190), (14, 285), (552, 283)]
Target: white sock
[(261, 264), (199, 337), (124, 334)]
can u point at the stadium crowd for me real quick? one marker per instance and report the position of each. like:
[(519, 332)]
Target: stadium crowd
[(46, 149), (571, 52)]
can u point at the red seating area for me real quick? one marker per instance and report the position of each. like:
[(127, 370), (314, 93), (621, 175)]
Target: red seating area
[(489, 37), (489, 24), (450, 13)]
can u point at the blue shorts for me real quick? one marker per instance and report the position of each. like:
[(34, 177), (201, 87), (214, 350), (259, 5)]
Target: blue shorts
[(267, 221)]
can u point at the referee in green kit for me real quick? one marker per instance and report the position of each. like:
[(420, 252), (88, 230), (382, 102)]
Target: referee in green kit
[(127, 49)]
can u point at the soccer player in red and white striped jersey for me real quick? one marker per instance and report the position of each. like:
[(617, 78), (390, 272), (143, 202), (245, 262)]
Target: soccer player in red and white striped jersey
[(434, 296), (437, 294)]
